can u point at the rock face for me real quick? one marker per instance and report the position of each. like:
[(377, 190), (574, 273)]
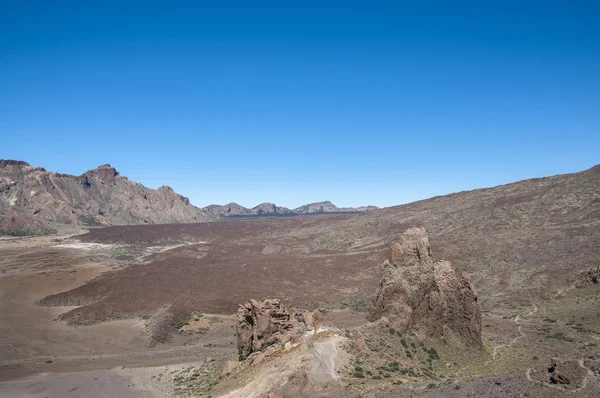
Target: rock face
[(98, 197), (425, 298), (265, 326)]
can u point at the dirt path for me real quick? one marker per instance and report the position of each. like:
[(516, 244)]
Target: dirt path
[(513, 341)]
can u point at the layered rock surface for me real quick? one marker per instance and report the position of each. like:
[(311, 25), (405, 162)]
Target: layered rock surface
[(265, 326), (424, 298), (98, 197)]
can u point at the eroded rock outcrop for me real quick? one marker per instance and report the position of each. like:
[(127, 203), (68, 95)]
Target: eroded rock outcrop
[(557, 377), (425, 298), (265, 326), (592, 276)]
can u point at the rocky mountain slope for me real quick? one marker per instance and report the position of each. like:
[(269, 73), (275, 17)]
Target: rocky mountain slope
[(31, 198), (233, 210), (328, 207), (265, 209)]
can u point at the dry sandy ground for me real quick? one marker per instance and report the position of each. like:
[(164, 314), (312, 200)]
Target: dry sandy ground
[(43, 357)]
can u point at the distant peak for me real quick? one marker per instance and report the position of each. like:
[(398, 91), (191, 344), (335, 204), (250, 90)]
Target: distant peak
[(596, 168), (106, 171), (10, 162), (264, 204), (323, 203)]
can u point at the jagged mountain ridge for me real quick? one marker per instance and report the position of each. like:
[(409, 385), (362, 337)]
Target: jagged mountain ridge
[(264, 209), (33, 197)]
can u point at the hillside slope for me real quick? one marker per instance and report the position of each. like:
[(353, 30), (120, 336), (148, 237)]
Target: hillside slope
[(98, 197), (521, 243), (519, 240)]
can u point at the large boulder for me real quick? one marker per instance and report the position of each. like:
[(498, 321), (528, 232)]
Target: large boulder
[(265, 326), (424, 298)]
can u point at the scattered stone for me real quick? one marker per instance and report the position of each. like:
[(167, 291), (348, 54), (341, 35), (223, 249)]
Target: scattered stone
[(555, 376), (592, 276)]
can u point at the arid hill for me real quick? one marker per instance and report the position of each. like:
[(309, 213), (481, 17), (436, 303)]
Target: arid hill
[(328, 207), (270, 209), (31, 197), (519, 242)]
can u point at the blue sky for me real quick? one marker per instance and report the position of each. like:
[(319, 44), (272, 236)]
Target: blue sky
[(355, 102)]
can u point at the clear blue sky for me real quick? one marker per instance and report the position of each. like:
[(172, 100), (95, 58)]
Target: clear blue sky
[(356, 102)]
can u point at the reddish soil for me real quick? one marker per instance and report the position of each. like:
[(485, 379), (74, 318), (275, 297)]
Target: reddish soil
[(232, 267)]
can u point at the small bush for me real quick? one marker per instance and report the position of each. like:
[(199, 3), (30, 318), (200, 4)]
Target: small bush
[(433, 354)]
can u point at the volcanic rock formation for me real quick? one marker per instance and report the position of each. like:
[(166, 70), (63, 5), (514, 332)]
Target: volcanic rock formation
[(265, 326), (425, 298)]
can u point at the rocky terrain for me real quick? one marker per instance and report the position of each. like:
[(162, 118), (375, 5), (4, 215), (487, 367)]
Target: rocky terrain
[(266, 326), (34, 201), (270, 209), (424, 298), (31, 198), (171, 293)]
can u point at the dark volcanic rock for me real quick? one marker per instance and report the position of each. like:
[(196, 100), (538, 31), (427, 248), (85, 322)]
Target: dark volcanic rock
[(264, 326), (592, 276), (426, 298), (557, 377)]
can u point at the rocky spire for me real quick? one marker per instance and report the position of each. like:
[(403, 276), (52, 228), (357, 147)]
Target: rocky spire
[(425, 298)]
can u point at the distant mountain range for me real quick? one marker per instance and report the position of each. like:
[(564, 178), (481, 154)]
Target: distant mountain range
[(33, 199), (270, 209)]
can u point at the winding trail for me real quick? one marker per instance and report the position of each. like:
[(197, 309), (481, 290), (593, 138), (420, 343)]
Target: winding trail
[(521, 334)]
